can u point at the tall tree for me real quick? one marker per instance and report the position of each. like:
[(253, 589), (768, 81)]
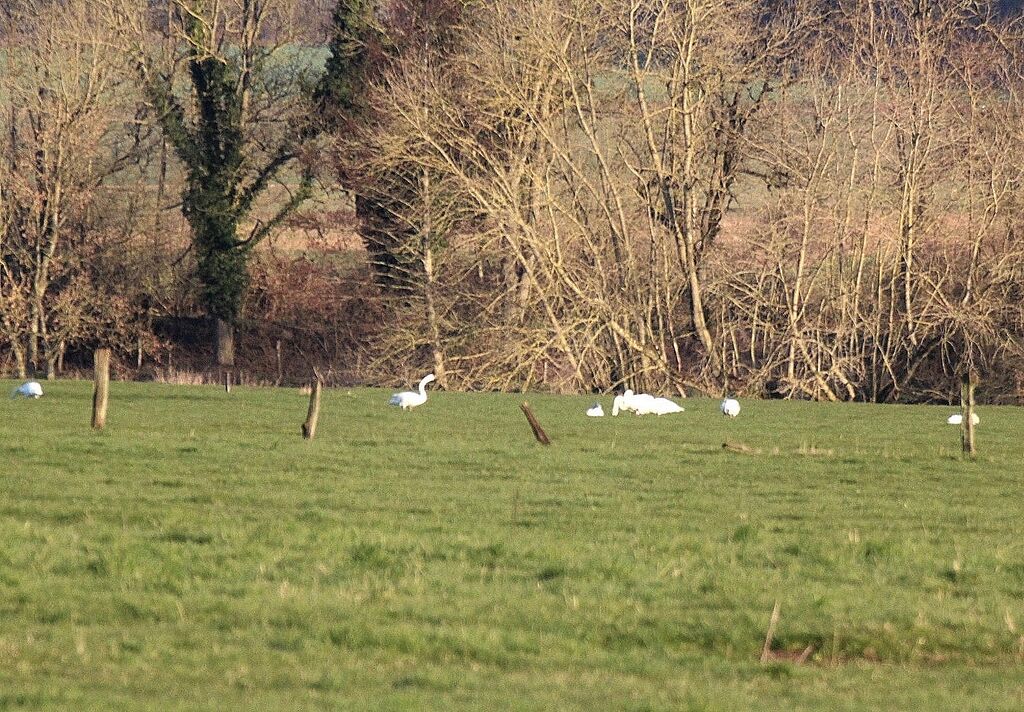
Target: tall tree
[(237, 130), (355, 44), (404, 213)]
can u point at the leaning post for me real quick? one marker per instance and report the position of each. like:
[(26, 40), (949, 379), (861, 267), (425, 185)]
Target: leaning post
[(538, 432), (101, 389)]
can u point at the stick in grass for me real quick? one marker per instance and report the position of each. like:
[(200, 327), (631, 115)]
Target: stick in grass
[(538, 432), (309, 427)]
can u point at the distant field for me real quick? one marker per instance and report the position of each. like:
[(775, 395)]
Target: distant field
[(198, 555)]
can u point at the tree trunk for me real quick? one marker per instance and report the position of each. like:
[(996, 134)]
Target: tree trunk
[(433, 323), (19, 360), (280, 362), (225, 344)]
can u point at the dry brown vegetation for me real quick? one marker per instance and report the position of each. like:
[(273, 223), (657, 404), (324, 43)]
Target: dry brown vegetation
[(671, 194), (822, 202)]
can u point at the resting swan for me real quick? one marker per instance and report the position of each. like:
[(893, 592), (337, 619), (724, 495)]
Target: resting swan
[(410, 399), (649, 405), (731, 407), (644, 404), (958, 419), (29, 389)]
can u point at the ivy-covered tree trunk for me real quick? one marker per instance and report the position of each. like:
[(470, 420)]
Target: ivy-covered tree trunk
[(227, 167)]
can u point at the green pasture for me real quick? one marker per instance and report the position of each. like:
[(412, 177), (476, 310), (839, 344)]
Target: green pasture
[(199, 555)]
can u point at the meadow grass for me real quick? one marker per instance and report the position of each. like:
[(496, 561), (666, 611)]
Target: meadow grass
[(199, 555)]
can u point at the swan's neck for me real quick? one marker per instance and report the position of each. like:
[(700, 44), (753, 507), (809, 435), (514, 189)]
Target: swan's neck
[(423, 387)]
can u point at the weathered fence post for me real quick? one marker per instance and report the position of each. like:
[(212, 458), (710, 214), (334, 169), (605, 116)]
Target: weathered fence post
[(538, 432), (101, 390), (967, 384), (309, 427)]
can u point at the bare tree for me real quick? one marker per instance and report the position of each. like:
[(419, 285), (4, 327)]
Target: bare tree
[(60, 99)]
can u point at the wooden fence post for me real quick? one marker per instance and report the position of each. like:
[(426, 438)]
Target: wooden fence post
[(101, 390), (538, 432), (967, 384), (309, 427)]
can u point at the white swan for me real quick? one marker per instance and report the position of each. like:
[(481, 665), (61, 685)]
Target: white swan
[(29, 389), (958, 419), (623, 402), (731, 407), (595, 411), (410, 399), (644, 404)]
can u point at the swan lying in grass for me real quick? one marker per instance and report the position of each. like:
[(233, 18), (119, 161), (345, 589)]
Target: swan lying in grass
[(644, 404), (29, 389), (410, 399), (649, 405), (731, 407), (595, 411), (958, 419)]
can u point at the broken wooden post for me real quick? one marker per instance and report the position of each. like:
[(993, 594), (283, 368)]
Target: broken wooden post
[(967, 383), (538, 432), (309, 427), (766, 650), (101, 390)]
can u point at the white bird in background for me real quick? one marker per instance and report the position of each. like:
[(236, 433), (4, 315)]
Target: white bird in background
[(410, 399), (731, 407), (29, 389), (958, 419), (595, 411)]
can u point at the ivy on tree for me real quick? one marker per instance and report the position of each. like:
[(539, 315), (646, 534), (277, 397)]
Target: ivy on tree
[(223, 181)]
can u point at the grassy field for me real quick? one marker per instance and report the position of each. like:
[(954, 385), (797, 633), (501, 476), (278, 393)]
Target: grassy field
[(199, 555)]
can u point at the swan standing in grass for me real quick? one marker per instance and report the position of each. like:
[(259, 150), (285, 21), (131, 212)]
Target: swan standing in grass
[(29, 389), (595, 411), (958, 419), (410, 399), (731, 407)]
